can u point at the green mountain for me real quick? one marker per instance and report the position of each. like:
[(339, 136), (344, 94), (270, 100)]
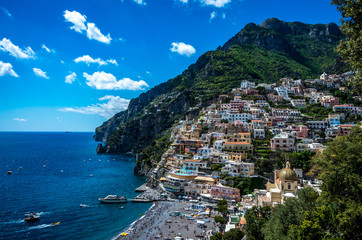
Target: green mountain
[(261, 53)]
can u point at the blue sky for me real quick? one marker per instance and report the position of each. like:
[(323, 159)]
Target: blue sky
[(70, 65)]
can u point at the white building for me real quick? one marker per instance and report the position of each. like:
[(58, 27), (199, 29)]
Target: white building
[(218, 145), (282, 91), (246, 84), (238, 169), (259, 133)]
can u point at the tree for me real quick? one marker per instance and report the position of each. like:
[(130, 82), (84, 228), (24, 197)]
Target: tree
[(222, 206), (284, 218), (220, 219), (351, 48), (216, 236), (234, 234), (319, 224), (340, 169), (341, 165), (255, 218)]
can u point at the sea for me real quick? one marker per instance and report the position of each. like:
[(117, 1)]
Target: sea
[(52, 174)]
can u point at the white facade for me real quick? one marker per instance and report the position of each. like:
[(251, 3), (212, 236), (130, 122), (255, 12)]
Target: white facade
[(238, 169)]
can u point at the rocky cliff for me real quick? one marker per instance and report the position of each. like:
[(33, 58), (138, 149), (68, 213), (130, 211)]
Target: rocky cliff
[(263, 53)]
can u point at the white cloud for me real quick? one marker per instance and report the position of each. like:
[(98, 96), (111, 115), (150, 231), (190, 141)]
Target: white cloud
[(43, 46), (38, 72), (7, 46), (216, 3), (77, 19), (182, 48), (113, 105), (79, 25), (88, 60), (7, 69), (94, 33), (106, 81), (20, 119), (71, 78), (140, 2), (6, 11), (212, 15)]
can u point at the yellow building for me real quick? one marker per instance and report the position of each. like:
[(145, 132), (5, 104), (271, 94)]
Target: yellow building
[(237, 156), (237, 146), (285, 186), (241, 137), (200, 185)]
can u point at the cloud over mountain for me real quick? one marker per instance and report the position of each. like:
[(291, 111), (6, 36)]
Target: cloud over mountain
[(112, 105), (182, 48)]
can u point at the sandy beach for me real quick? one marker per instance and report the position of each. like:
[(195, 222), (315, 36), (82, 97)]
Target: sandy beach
[(160, 222)]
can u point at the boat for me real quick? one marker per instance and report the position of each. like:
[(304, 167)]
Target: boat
[(121, 207), (31, 217), (10, 172), (83, 205), (55, 223), (113, 199)]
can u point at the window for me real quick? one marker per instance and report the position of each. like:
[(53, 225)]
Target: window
[(289, 187)]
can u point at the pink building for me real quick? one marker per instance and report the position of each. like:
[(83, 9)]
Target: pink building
[(301, 129), (223, 192), (344, 129), (236, 106), (330, 102), (282, 142)]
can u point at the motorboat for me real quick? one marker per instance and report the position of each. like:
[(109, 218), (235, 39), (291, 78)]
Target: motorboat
[(31, 217), (83, 205), (113, 199)]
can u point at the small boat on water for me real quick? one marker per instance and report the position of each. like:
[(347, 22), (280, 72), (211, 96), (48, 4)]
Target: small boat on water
[(113, 199), (31, 217), (10, 172), (83, 205), (53, 224), (121, 207)]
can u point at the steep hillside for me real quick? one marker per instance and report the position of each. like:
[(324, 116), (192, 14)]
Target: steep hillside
[(262, 53)]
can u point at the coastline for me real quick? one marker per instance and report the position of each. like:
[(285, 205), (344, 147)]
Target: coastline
[(160, 221), (136, 222)]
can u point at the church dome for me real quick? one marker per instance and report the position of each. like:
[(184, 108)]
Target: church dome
[(287, 173)]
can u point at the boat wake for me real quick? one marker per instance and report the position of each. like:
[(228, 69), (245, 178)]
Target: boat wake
[(43, 213), (14, 221), (41, 226)]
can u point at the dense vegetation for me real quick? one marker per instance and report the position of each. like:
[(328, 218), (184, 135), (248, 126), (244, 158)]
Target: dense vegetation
[(351, 47), (334, 214)]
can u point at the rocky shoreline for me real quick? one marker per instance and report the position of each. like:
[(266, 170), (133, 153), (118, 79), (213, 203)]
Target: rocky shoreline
[(160, 222)]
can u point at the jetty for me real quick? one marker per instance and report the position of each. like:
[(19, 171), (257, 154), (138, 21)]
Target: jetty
[(147, 194), (142, 188)]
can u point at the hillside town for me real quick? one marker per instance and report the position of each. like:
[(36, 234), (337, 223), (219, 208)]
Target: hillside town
[(223, 153)]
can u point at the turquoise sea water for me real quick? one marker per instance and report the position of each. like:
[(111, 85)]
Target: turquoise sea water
[(51, 176)]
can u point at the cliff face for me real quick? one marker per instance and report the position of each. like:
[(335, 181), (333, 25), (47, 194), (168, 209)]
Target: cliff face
[(103, 132), (262, 53)]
